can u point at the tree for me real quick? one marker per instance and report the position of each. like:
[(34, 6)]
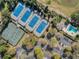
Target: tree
[(75, 19), (2, 48), (11, 52), (39, 53), (33, 42), (32, 2), (29, 43), (1, 1), (54, 42), (57, 19), (56, 55), (75, 50), (5, 11), (48, 1), (77, 37), (6, 57), (67, 22), (68, 49), (1, 5)]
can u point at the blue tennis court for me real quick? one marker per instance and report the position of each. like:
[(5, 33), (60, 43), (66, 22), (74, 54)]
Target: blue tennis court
[(41, 27), (18, 10), (26, 15), (33, 21)]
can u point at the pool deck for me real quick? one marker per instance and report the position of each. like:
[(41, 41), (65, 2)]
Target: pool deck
[(73, 34)]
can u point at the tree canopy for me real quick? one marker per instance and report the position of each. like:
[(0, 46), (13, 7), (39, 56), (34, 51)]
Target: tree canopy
[(7, 57), (54, 42), (2, 48), (75, 19), (39, 53), (56, 55)]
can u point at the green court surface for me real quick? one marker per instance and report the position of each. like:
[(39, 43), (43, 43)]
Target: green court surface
[(12, 34)]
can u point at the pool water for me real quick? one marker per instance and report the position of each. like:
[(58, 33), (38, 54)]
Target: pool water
[(72, 29), (41, 27), (33, 21), (26, 15), (18, 10)]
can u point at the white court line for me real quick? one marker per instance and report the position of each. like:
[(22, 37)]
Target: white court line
[(29, 27), (39, 34), (20, 19), (21, 13)]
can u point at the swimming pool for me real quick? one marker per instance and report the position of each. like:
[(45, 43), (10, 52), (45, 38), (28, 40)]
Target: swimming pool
[(41, 27), (18, 10), (33, 21), (26, 15), (72, 29)]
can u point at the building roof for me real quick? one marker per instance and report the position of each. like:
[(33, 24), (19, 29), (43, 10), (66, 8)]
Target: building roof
[(12, 34)]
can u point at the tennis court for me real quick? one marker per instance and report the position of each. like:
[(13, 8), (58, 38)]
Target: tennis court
[(18, 11), (25, 18), (12, 34), (41, 28), (30, 20), (33, 22)]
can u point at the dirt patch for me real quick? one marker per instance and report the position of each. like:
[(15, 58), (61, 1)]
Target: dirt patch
[(68, 3), (61, 8)]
